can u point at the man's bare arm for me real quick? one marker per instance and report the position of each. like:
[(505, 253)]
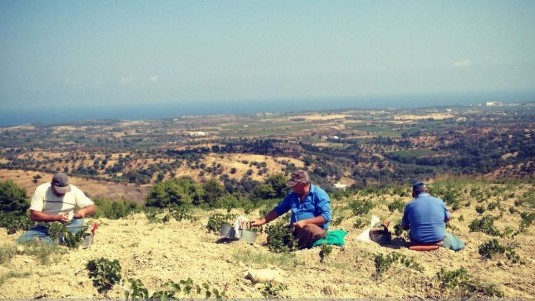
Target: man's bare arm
[(38, 216)]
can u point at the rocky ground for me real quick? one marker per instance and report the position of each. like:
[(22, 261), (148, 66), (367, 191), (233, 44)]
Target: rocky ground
[(157, 252)]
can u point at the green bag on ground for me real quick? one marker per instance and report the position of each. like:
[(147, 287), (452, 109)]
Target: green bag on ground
[(334, 237)]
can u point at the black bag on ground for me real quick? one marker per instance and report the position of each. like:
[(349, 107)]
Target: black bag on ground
[(379, 233)]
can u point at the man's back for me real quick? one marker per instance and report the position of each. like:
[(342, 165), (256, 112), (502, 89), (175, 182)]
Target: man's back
[(426, 216)]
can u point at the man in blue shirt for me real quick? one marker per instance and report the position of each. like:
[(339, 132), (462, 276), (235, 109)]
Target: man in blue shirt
[(425, 217), (310, 207)]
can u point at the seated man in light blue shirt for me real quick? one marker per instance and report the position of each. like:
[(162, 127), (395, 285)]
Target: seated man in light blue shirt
[(425, 217), (310, 207)]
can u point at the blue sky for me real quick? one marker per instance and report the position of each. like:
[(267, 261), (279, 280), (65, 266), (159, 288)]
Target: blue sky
[(102, 53)]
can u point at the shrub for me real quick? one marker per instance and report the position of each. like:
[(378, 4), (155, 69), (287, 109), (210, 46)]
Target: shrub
[(493, 206), (493, 247), (13, 199), (137, 290), (360, 222), (450, 195), (216, 221), (178, 192), (212, 192), (158, 215), (59, 232), (230, 201), (271, 290), (13, 222), (55, 230), (337, 220), (359, 207), (171, 290), (13, 206), (280, 238), (325, 250), (398, 205), (383, 263), (278, 183), (527, 220), (452, 279), (105, 273), (509, 232), (115, 209), (74, 240), (459, 281), (398, 230), (529, 199), (485, 225), (152, 213), (400, 190), (180, 213)]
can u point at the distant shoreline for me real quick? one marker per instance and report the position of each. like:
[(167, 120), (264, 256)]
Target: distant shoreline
[(77, 113)]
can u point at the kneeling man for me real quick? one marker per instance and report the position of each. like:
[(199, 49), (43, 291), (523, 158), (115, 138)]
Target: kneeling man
[(57, 201), (311, 210)]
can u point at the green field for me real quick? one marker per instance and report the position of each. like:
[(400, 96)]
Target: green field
[(415, 153)]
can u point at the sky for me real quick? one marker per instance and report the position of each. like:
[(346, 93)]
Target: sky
[(104, 55)]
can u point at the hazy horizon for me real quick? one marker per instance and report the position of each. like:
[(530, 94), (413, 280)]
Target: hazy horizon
[(161, 58), (165, 111)]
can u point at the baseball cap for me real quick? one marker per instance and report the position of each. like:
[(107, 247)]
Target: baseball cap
[(417, 184), (60, 181), (299, 176)]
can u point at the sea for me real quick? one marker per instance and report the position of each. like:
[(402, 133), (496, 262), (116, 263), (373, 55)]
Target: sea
[(72, 112)]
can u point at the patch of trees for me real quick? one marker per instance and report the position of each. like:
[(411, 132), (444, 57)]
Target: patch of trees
[(184, 192), (13, 206)]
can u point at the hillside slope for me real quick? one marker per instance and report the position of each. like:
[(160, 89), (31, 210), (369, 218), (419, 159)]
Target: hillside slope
[(156, 253)]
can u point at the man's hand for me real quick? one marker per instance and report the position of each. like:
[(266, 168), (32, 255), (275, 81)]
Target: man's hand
[(38, 216), (87, 210), (258, 222), (62, 218), (264, 220), (300, 224), (318, 221)]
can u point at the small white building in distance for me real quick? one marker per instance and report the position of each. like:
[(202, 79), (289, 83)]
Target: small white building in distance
[(197, 134), (340, 185)]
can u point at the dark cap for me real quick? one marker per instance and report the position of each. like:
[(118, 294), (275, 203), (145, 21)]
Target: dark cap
[(299, 176), (60, 181), (416, 185)]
